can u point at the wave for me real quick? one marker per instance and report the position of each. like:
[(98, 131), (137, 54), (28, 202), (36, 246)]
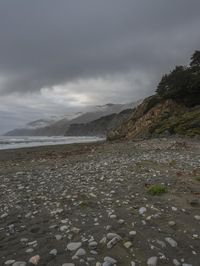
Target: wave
[(22, 142)]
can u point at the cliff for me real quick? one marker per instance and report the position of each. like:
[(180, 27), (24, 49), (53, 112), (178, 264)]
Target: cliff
[(158, 117)]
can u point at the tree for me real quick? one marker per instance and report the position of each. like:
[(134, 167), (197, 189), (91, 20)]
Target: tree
[(195, 59), (183, 83)]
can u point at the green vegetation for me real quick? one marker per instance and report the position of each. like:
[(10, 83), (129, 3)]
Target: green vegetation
[(173, 110), (185, 123), (157, 189), (197, 178), (183, 83)]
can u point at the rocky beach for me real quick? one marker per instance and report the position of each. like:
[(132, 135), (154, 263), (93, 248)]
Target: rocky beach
[(121, 203)]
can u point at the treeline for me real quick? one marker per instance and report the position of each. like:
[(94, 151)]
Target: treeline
[(183, 83)]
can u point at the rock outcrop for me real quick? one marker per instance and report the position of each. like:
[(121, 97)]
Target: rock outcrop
[(155, 117)]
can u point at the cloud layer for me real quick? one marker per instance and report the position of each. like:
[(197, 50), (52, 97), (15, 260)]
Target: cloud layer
[(99, 50)]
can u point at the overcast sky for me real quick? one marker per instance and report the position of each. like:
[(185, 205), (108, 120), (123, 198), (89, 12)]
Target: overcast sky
[(59, 56)]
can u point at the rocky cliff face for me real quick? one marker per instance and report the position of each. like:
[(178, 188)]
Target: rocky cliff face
[(156, 117)]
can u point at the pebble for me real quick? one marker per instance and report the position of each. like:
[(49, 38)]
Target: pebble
[(152, 261), (29, 250), (171, 223), (142, 210), (132, 233), (58, 237), (171, 241), (176, 262), (34, 260), (19, 263), (93, 244), (80, 252), (9, 262), (113, 235), (113, 242), (110, 260), (197, 217), (74, 246), (53, 252)]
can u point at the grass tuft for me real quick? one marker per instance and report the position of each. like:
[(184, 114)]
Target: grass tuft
[(157, 189), (197, 178)]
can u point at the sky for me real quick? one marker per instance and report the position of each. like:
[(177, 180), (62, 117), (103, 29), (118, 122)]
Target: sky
[(59, 57)]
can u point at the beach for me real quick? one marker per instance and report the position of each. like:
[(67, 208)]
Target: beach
[(91, 204)]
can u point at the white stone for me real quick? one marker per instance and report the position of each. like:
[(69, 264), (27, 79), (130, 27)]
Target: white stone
[(176, 262), (19, 263), (9, 262), (142, 210), (132, 233), (80, 252), (152, 261), (110, 260), (53, 252), (171, 241), (197, 217), (127, 244), (74, 246)]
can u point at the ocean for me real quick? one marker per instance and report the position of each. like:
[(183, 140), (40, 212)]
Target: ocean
[(24, 142)]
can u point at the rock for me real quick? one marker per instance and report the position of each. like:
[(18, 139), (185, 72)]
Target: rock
[(53, 252), (113, 216), (171, 223), (142, 210), (171, 241), (176, 262), (93, 244), (58, 237), (113, 235), (106, 263), (113, 242), (197, 217), (127, 244), (34, 260), (4, 215), (186, 264), (74, 246), (80, 252), (121, 221), (103, 240), (9, 262), (29, 250), (110, 260), (152, 261), (68, 264), (19, 263), (132, 233)]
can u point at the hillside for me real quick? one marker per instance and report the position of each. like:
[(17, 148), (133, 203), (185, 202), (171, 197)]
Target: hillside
[(98, 127), (173, 110), (61, 126)]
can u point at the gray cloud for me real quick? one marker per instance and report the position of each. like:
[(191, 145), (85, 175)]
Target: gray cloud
[(45, 43), (48, 43)]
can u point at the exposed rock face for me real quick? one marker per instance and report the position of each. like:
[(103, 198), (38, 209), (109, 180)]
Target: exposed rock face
[(156, 117)]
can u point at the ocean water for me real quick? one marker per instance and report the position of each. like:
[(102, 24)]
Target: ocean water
[(23, 142)]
